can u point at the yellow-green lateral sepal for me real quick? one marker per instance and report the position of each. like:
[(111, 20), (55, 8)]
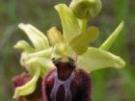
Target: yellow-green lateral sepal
[(29, 87), (84, 9), (111, 39), (38, 39), (69, 22), (81, 42), (95, 59)]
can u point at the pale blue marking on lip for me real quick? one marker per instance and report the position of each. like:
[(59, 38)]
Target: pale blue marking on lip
[(66, 84)]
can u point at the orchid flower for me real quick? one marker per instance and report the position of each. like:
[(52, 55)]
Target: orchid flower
[(73, 40)]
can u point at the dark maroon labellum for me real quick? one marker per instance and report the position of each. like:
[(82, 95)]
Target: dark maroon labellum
[(66, 83)]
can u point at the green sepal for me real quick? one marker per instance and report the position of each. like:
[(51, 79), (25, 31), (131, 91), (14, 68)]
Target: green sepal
[(69, 22), (29, 87), (38, 39), (95, 59)]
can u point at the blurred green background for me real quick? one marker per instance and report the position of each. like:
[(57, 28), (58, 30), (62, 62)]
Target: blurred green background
[(108, 84)]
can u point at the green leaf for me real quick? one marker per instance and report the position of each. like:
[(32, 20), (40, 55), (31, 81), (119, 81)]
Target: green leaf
[(111, 39), (81, 42), (69, 22), (38, 39), (29, 87), (95, 59)]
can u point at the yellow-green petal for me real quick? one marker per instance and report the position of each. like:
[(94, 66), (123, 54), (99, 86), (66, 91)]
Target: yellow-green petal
[(81, 42), (54, 36), (95, 59)]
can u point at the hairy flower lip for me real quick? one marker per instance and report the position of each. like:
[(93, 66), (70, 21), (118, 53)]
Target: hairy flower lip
[(85, 80)]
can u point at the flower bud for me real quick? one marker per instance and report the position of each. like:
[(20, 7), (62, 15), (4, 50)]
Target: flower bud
[(84, 9)]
